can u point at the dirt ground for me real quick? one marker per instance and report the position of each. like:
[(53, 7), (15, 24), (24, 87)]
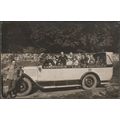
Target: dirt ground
[(110, 91)]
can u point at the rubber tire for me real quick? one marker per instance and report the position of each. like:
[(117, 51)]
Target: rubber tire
[(94, 84), (27, 81)]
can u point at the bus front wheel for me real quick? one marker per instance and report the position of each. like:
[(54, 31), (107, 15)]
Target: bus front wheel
[(25, 86), (89, 82)]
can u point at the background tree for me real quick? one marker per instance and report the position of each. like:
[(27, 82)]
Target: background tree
[(15, 36), (60, 36)]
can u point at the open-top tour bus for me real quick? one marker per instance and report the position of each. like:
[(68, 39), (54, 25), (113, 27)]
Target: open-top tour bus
[(57, 77)]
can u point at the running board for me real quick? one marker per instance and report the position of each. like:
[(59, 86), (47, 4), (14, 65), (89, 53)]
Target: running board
[(106, 82), (61, 86)]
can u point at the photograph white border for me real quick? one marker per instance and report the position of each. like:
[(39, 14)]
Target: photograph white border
[(62, 10)]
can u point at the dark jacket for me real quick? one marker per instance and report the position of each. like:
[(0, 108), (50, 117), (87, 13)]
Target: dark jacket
[(62, 60)]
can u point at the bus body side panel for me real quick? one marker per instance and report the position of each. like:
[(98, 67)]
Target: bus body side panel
[(73, 74), (104, 74), (62, 74)]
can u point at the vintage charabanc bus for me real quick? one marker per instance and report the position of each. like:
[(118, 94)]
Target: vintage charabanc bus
[(88, 77)]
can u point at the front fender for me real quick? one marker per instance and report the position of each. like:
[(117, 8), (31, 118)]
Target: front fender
[(32, 72)]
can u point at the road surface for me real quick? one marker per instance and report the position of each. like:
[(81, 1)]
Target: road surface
[(75, 93)]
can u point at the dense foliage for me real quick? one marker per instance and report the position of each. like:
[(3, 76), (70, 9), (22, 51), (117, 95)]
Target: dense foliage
[(60, 36)]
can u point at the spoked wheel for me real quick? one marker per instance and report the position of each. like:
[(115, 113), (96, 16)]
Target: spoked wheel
[(25, 86), (89, 82)]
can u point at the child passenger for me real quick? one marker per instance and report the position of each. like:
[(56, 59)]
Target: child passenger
[(75, 62), (69, 62)]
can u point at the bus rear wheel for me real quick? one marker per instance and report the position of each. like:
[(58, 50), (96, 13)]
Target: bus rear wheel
[(25, 86), (89, 82)]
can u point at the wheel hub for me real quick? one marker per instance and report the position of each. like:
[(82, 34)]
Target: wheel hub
[(23, 87), (89, 82)]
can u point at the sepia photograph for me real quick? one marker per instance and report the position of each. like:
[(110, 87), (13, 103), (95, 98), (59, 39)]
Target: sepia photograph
[(60, 59)]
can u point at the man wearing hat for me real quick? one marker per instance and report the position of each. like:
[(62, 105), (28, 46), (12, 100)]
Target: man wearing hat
[(13, 75)]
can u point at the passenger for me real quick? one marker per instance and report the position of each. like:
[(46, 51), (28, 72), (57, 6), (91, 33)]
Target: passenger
[(54, 60), (62, 59), (97, 62), (75, 62), (35, 57), (69, 62), (50, 65), (48, 61), (100, 61), (57, 58), (84, 61), (79, 56), (71, 56), (42, 58), (91, 60)]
